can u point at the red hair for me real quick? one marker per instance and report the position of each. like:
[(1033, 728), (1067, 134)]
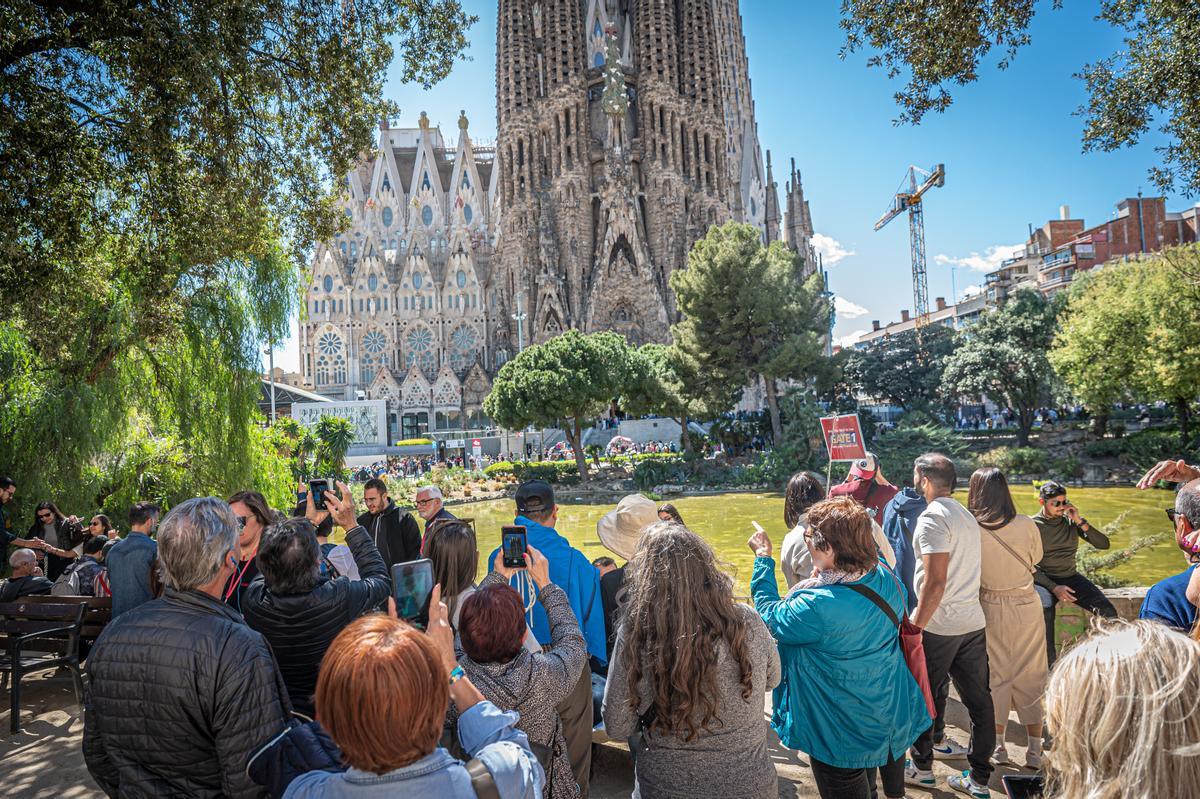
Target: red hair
[(492, 624)]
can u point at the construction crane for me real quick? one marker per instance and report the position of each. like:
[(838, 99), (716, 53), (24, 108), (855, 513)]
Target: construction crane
[(908, 197)]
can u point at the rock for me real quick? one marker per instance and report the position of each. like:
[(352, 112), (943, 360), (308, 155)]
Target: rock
[(667, 488)]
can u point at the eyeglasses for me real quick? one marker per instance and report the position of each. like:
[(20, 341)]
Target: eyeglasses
[(242, 520), (1173, 514), (421, 502), (1058, 503)]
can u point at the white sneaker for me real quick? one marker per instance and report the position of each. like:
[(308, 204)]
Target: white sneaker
[(964, 784), (917, 777), (1000, 755), (949, 749), (1033, 760)]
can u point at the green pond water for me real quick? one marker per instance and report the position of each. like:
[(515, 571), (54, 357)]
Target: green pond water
[(724, 520)]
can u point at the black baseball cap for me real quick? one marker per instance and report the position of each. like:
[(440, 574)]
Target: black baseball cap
[(535, 496)]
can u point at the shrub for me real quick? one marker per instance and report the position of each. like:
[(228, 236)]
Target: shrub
[(652, 472), (1016, 460), (414, 442), (897, 449), (1104, 448), (498, 469), (1147, 447), (564, 472)]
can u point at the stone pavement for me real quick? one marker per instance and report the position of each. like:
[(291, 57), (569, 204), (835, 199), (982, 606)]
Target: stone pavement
[(45, 760)]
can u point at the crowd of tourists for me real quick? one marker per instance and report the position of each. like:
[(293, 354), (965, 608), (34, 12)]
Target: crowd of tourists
[(248, 655)]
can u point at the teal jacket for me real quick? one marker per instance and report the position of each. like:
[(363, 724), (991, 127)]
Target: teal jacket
[(846, 697)]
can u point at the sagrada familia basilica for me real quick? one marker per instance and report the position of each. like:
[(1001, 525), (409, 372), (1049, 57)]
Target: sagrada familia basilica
[(625, 129)]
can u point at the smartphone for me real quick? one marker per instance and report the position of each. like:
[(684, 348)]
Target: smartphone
[(412, 587), (317, 489), (1022, 786), (513, 545)]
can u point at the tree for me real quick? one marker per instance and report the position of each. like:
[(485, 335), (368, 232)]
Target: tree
[(896, 369), (749, 313), (572, 377), (1003, 357), (1153, 77), (664, 382), (1169, 369), (335, 435)]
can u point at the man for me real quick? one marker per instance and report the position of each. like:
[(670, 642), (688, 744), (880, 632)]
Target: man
[(8, 536), (1173, 601), (26, 579), (79, 578), (182, 692), (393, 530), (947, 544), (1056, 579), (899, 520), (571, 571), (300, 612), (867, 486), (130, 561), (429, 506)]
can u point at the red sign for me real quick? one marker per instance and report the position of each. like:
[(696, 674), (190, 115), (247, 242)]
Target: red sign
[(475, 442), (843, 437)]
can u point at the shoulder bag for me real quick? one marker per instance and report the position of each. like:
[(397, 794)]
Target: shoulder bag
[(1028, 566)]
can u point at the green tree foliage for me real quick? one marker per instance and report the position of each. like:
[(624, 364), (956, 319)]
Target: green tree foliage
[(572, 377), (1003, 358), (900, 371), (1152, 78), (665, 382), (749, 313), (335, 435)]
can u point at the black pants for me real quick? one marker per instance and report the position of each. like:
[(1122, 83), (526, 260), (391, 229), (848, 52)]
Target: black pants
[(1087, 596), (834, 782), (964, 659), (576, 713)]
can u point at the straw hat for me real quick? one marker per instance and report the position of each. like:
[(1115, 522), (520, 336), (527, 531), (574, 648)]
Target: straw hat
[(621, 529)]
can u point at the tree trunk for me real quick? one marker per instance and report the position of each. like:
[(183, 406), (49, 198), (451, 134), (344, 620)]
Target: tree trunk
[(773, 407), (575, 436), (1100, 424), (685, 439), (1024, 425), (1183, 413)]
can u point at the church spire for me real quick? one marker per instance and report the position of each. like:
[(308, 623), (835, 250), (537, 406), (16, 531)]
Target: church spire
[(771, 209)]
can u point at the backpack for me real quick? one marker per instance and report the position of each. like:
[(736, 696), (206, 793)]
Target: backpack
[(67, 583)]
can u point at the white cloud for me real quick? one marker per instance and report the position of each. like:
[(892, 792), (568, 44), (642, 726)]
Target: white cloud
[(848, 310), (831, 249), (987, 262), (971, 291), (848, 341)]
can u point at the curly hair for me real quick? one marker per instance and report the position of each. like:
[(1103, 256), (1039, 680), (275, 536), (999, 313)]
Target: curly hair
[(679, 607)]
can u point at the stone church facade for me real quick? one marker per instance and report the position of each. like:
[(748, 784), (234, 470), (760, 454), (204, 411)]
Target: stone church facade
[(625, 129)]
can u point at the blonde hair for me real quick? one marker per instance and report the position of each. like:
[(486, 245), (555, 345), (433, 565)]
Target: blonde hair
[(1124, 708)]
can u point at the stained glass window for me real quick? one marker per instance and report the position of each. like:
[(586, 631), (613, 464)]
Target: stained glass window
[(373, 282), (327, 284), (387, 217), (427, 215), (462, 348), (461, 278), (419, 346), (467, 213)]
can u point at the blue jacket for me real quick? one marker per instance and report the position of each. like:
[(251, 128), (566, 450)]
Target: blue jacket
[(129, 564), (1166, 602), (846, 697), (899, 521), (571, 571)]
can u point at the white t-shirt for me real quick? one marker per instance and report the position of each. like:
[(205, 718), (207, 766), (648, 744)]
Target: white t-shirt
[(796, 560), (946, 526)]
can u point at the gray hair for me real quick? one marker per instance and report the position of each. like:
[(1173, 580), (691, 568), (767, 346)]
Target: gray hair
[(1187, 502), (21, 557), (433, 491), (193, 541)]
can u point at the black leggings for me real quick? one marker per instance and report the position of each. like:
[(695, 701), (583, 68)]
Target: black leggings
[(858, 783)]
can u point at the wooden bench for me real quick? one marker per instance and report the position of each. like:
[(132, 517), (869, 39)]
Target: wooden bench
[(97, 615), (36, 636)]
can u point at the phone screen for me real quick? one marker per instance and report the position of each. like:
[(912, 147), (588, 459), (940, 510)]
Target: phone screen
[(513, 546), (1022, 786), (412, 587), (317, 489)]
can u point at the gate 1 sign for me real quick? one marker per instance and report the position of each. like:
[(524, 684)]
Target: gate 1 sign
[(843, 437)]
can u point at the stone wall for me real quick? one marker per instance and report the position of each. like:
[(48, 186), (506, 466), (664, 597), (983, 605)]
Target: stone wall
[(1072, 621)]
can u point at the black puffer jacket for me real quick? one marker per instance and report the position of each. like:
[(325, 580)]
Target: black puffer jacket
[(395, 533), (181, 693), (300, 627)]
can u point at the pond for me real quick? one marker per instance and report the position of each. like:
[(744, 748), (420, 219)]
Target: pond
[(724, 520)]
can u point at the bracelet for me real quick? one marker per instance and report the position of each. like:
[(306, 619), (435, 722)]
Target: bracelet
[(457, 674)]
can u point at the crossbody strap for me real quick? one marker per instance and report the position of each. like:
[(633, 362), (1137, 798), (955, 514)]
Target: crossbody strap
[(862, 590), (1028, 566)]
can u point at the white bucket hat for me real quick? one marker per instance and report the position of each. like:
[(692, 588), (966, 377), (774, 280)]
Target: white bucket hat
[(621, 529)]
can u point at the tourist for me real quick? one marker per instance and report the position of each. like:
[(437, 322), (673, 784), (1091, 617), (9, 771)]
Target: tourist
[(298, 611), (101, 525), (59, 535), (1016, 649), (512, 678), (688, 674), (181, 690), (8, 487), (620, 531), (573, 572), (604, 564), (1173, 601), (669, 513), (1123, 705), (255, 516), (407, 679), (393, 530), (26, 578), (867, 486), (429, 507), (948, 541), (841, 656), (1057, 579), (81, 576), (899, 520), (803, 491), (131, 559)]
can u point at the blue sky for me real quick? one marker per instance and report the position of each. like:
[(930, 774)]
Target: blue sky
[(1010, 143)]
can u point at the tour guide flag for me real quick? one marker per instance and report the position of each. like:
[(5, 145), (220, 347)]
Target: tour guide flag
[(843, 437)]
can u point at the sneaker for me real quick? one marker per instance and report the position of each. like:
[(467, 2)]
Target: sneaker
[(917, 777), (949, 749), (1033, 760), (964, 784), (1000, 755)]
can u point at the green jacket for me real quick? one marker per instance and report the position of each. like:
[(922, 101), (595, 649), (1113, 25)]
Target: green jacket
[(1060, 541)]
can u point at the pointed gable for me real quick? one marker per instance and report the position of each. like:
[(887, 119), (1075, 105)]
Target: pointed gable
[(475, 388), (415, 391), (447, 391), (385, 386)]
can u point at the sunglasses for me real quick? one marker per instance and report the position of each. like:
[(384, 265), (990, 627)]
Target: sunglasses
[(1173, 514), (242, 520), (1058, 503), (45, 516)]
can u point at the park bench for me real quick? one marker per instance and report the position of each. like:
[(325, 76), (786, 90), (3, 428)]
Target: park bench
[(97, 615), (35, 636)]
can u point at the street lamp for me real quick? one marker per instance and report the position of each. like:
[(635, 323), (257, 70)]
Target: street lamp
[(271, 376)]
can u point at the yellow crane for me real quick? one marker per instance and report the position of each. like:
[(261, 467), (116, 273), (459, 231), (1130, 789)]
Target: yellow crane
[(908, 197)]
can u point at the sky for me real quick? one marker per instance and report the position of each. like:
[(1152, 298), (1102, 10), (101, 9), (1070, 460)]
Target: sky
[(1011, 143)]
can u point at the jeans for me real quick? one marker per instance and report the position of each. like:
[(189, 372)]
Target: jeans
[(1087, 596), (964, 659), (834, 782)]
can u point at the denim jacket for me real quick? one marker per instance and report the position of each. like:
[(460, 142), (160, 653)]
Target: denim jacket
[(485, 731), (129, 571)]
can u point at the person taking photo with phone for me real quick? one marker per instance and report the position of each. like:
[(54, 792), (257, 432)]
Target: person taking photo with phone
[(1057, 580)]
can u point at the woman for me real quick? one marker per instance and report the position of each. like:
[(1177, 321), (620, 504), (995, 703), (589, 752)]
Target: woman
[(620, 531), (1124, 707), (512, 678), (102, 525), (847, 697), (669, 513), (255, 516), (407, 678), (688, 674), (60, 535), (803, 491), (1016, 641)]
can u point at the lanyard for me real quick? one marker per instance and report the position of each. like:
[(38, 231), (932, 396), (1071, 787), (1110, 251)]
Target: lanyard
[(237, 578)]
